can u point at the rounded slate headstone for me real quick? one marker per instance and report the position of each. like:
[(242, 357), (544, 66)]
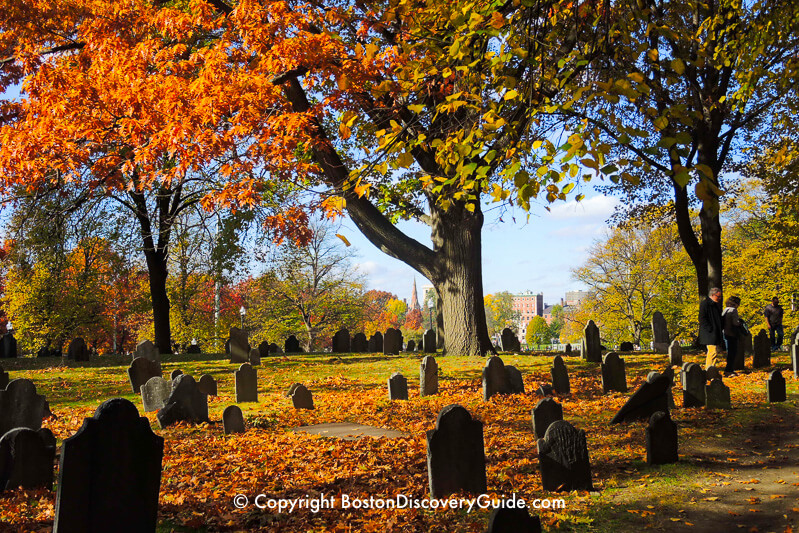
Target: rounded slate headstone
[(717, 395), (456, 454), (175, 373), (761, 350), (693, 385), (592, 347), (27, 459), (341, 341), (775, 387), (292, 345), (8, 346), (141, 370), (246, 384), (255, 357), (563, 458), (428, 376), (651, 396), (515, 380), (376, 343), (560, 376), (429, 341), (274, 349), (239, 345), (148, 350), (185, 403), (154, 393), (207, 385), (513, 520), (392, 342), (233, 420), (411, 347), (614, 375), (660, 333), (626, 346), (661, 440), (495, 379), (77, 350), (360, 344), (509, 340), (545, 412), (263, 349), (301, 397), (21, 406), (712, 373), (675, 353), (397, 387)]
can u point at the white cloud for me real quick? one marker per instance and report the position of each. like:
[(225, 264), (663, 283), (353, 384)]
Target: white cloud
[(579, 231), (595, 207)]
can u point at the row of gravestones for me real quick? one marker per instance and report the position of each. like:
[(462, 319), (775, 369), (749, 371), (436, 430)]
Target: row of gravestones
[(390, 343), (428, 381)]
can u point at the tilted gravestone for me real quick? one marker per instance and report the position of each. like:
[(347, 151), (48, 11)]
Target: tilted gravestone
[(397, 387), (175, 373), (77, 350), (495, 379), (232, 420), (761, 355), (239, 345), (292, 345), (185, 403), (429, 341), (651, 396), (455, 454), (515, 379), (255, 357), (274, 349), (717, 395), (207, 385), (246, 384), (154, 394), (148, 350), (660, 333), (614, 375), (411, 347), (661, 440), (341, 341), (775, 387), (27, 459), (513, 520), (301, 397), (21, 406), (141, 370), (428, 376), (560, 376), (110, 473), (545, 412), (563, 458), (263, 349), (376, 343), (675, 353), (693, 380), (510, 342), (392, 342), (592, 347), (360, 344), (4, 378), (652, 376), (626, 346)]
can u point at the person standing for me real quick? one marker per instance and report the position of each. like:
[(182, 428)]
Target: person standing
[(732, 322), (711, 328), (773, 314)]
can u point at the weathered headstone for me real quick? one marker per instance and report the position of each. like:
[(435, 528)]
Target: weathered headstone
[(148, 350), (292, 345), (675, 353), (652, 376), (513, 520), (232, 420), (717, 395), (154, 393), (510, 342), (175, 373), (141, 370), (651, 396), (455, 454), (246, 383), (545, 412), (193, 348), (21, 406), (592, 348), (693, 380), (660, 333), (397, 387), (545, 390), (255, 357), (563, 458), (495, 379), (341, 341), (560, 376), (712, 373), (614, 375), (185, 403), (775, 387), (661, 440), (8, 346), (428, 376), (761, 350), (4, 378), (207, 385), (239, 345), (568, 349), (301, 397), (274, 349), (263, 349), (515, 380), (376, 343), (746, 344), (27, 459), (429, 341), (110, 473), (411, 347), (392, 342), (77, 350), (626, 346), (292, 388), (360, 344)]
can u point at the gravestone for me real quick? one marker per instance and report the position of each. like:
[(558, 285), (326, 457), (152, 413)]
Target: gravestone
[(510, 342), (141, 370), (232, 420), (545, 412), (77, 350), (341, 341), (239, 345), (428, 376), (592, 348), (193, 348), (8, 346), (397, 387), (560, 376), (175, 373), (675, 353), (614, 375), (360, 344), (746, 344), (651, 397), (21, 406), (154, 394), (110, 473), (775, 387), (429, 341), (626, 346), (513, 520), (207, 385), (717, 395), (148, 350), (301, 397), (4, 378), (274, 349), (27, 459), (263, 349), (795, 359), (246, 383), (455, 454), (740, 358), (563, 458), (568, 349), (515, 380), (712, 373), (376, 343), (761, 350), (693, 380), (545, 390), (47, 351), (661, 440), (392, 342), (292, 345), (652, 376), (411, 346), (292, 389), (255, 357), (495, 379), (660, 333), (185, 403)]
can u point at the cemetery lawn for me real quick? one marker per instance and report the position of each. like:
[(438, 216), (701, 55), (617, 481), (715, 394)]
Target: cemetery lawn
[(738, 469)]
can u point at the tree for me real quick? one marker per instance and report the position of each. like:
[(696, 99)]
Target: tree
[(538, 332), (500, 313)]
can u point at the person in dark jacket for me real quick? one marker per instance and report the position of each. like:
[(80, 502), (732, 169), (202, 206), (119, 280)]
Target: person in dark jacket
[(711, 328), (731, 333), (773, 314)]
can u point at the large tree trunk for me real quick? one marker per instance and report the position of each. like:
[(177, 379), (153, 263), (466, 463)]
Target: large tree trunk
[(158, 273)]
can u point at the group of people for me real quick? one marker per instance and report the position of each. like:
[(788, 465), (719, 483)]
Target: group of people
[(720, 328)]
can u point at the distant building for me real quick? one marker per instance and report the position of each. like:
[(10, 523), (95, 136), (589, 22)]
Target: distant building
[(414, 299), (573, 298), (529, 306)]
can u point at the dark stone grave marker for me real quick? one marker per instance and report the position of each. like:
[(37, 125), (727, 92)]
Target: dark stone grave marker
[(246, 383), (560, 376), (232, 420), (455, 454), (545, 412), (27, 459), (563, 457), (397, 387), (661, 440)]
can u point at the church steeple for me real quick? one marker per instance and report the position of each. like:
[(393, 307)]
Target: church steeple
[(414, 299)]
